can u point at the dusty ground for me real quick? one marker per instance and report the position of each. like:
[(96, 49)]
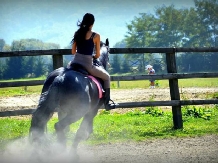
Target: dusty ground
[(185, 150), (181, 150)]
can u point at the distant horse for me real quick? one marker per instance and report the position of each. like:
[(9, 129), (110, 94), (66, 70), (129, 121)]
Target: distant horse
[(73, 95)]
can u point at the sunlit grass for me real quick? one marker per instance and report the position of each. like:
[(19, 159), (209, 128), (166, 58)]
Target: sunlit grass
[(17, 91), (194, 82), (135, 125), (25, 79), (24, 90), (199, 82)]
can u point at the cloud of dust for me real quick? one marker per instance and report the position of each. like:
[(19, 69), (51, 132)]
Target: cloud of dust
[(22, 151)]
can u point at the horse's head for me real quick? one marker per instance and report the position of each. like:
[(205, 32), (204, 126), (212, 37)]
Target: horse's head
[(104, 53)]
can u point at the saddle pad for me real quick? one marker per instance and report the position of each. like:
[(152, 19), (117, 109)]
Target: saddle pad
[(100, 90)]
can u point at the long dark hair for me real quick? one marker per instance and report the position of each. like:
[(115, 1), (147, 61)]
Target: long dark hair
[(80, 34)]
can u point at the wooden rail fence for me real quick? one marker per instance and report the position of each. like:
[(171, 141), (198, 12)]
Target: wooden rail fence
[(172, 76)]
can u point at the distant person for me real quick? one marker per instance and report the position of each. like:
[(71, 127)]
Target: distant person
[(83, 43), (151, 71)]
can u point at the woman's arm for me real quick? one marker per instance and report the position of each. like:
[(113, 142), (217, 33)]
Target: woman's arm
[(73, 48), (96, 40)]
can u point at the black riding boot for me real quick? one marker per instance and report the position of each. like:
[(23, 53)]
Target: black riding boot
[(107, 105)]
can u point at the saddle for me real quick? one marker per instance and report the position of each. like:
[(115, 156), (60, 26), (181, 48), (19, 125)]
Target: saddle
[(79, 68)]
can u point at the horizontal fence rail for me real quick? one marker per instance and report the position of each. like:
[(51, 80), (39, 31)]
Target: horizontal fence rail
[(125, 105), (112, 51), (36, 52), (172, 76)]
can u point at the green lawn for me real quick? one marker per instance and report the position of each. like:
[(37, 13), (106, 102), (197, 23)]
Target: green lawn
[(195, 82), (137, 125)]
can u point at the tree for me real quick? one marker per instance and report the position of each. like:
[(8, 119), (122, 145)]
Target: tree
[(203, 32), (125, 67), (2, 68), (2, 44), (171, 27), (191, 29), (39, 68), (115, 65), (29, 65), (116, 59), (6, 48), (141, 31), (14, 67), (207, 12), (19, 67), (120, 44)]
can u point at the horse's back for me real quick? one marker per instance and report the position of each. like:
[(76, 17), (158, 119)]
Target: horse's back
[(50, 78), (71, 85), (76, 91)]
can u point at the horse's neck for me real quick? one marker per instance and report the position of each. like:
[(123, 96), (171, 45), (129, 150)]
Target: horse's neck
[(104, 57)]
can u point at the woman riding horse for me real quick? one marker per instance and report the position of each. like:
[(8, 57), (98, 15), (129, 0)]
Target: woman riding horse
[(74, 96), (84, 41)]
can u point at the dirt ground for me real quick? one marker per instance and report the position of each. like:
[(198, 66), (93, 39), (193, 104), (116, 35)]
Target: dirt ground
[(180, 150), (202, 149)]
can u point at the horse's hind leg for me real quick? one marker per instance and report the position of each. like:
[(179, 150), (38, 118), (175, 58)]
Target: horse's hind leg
[(62, 124), (38, 123), (61, 115), (42, 114), (85, 129)]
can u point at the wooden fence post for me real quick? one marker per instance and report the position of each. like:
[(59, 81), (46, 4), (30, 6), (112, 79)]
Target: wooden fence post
[(57, 61), (118, 84), (174, 90)]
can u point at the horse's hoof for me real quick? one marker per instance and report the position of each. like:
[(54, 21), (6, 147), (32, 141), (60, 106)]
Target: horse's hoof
[(75, 156)]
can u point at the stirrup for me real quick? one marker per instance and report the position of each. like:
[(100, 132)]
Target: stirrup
[(111, 105)]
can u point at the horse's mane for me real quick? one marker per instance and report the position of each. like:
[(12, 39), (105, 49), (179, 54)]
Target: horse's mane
[(104, 57)]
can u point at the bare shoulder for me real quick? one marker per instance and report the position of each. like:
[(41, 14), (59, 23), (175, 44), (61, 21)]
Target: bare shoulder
[(97, 34), (96, 37)]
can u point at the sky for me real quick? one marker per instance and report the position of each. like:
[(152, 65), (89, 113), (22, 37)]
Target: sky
[(55, 21)]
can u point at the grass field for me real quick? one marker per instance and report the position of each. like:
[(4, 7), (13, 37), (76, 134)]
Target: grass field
[(195, 82), (134, 125)]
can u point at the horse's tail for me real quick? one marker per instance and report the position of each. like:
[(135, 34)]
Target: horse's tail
[(48, 102)]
